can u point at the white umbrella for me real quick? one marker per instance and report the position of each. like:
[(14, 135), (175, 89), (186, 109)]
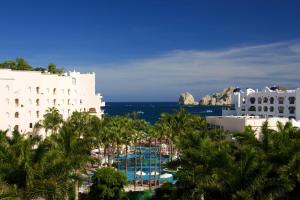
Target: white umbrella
[(166, 175), (139, 173), (153, 173)]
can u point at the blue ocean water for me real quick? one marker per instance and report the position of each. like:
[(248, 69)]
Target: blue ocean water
[(151, 111)]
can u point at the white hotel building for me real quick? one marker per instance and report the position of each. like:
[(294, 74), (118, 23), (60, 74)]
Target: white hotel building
[(254, 107), (26, 95), (269, 102)]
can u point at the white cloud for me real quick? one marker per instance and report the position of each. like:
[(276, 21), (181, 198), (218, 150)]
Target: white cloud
[(164, 77)]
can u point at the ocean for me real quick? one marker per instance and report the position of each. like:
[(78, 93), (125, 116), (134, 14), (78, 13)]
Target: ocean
[(151, 111)]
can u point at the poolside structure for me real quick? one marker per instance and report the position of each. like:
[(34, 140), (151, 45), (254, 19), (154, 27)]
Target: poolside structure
[(238, 123), (26, 95)]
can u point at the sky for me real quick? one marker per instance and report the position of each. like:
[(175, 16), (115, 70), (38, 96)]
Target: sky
[(153, 50)]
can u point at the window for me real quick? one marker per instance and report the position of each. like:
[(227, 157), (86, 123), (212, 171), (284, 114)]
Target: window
[(272, 100), (73, 81), (265, 100), (54, 91), (243, 100), (280, 100), (16, 127), (259, 108), (243, 108), (69, 101), (37, 90), (271, 109), (252, 108), (80, 101), (69, 112), (7, 101), (30, 125), (292, 109), (54, 102), (280, 109), (7, 115), (37, 114), (17, 102), (62, 91), (7, 88), (37, 102), (48, 90), (266, 108), (252, 100), (69, 91), (29, 89), (16, 114), (292, 100), (259, 100)]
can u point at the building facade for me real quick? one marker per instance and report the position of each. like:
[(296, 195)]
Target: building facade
[(26, 95), (238, 123), (269, 102)]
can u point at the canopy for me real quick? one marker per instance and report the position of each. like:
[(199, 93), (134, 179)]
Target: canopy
[(139, 173), (166, 175), (153, 173)]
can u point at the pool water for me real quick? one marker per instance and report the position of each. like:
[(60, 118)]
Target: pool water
[(145, 164)]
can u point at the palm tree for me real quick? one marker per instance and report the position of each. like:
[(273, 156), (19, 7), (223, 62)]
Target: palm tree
[(52, 120), (74, 149)]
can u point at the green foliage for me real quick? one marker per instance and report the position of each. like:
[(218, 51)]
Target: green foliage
[(108, 184), (211, 164), (53, 69), (52, 120), (21, 64)]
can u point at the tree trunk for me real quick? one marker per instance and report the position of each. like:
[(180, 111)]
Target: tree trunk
[(76, 185), (135, 164), (141, 164), (118, 156), (99, 156), (150, 185), (104, 154), (155, 158), (126, 160), (160, 143), (171, 150)]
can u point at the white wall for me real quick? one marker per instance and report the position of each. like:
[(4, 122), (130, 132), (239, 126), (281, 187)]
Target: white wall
[(73, 92)]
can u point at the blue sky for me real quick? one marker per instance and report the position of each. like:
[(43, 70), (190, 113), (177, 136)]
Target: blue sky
[(154, 50)]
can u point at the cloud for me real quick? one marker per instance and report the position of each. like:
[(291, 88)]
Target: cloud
[(164, 77)]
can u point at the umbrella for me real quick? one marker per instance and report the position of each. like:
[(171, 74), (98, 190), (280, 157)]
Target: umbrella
[(139, 173), (154, 173), (166, 175)]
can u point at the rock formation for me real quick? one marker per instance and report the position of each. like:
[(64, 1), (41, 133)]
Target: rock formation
[(221, 98), (187, 98)]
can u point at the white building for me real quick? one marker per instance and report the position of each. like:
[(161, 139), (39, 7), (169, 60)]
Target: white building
[(269, 102), (238, 123), (26, 95)]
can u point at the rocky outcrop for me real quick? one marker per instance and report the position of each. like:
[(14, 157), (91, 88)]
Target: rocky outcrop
[(187, 98), (220, 98)]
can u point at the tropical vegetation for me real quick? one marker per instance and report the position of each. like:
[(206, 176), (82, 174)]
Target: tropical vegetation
[(209, 163)]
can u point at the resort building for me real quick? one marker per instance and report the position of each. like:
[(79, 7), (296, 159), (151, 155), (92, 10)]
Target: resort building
[(26, 95), (238, 123), (269, 102)]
